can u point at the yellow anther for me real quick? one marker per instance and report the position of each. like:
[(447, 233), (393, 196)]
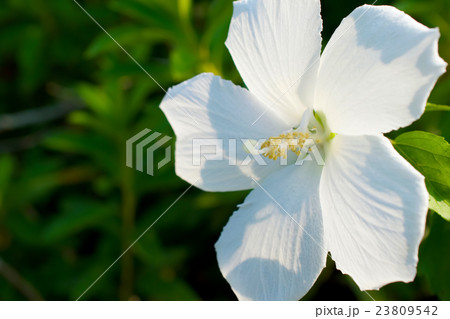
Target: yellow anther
[(278, 146)]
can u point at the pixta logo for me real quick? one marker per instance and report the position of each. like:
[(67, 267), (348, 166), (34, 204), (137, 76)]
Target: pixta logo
[(141, 148)]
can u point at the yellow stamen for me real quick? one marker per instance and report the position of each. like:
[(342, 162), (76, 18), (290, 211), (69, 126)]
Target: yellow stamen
[(278, 146)]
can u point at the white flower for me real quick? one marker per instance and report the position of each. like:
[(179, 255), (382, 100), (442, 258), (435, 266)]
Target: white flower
[(366, 205)]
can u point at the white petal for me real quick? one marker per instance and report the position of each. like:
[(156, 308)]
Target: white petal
[(209, 108), (276, 48), (377, 71), (374, 208), (274, 250)]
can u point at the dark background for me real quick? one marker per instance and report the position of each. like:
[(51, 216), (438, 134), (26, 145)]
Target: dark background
[(69, 206)]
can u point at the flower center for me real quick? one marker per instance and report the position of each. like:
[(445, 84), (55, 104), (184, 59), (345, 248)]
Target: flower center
[(311, 133), (278, 146)]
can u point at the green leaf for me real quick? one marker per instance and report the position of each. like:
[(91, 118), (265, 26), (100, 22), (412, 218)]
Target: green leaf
[(96, 99), (435, 107), (184, 9), (430, 155), (95, 147), (32, 59), (35, 182), (126, 35), (434, 257), (153, 14), (182, 63), (77, 214)]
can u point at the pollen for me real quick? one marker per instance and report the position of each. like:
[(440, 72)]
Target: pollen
[(278, 146)]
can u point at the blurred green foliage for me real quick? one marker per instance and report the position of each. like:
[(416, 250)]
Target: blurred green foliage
[(69, 206)]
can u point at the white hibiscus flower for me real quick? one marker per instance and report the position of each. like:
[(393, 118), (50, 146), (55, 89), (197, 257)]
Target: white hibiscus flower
[(366, 205)]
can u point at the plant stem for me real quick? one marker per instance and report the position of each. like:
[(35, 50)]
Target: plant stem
[(128, 216)]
